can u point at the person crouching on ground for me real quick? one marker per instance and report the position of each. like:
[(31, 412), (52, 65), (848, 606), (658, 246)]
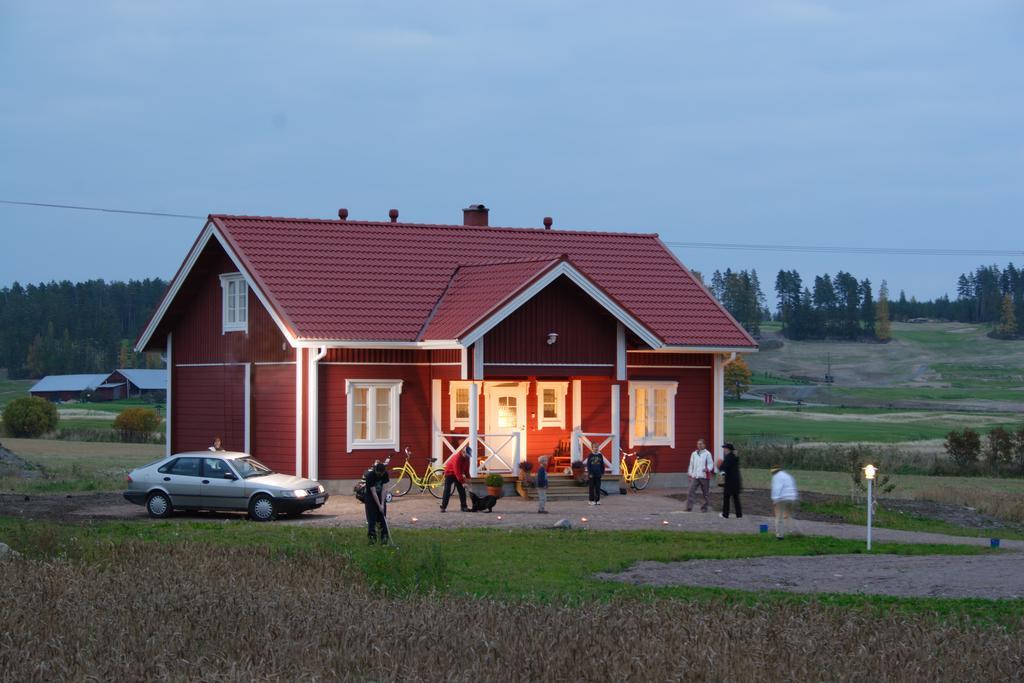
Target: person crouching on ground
[(702, 468), (456, 472), (374, 503), (542, 484), (733, 483), (784, 497), (595, 468)]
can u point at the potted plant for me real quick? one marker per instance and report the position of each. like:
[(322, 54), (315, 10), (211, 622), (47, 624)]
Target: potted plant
[(525, 467), (494, 483)]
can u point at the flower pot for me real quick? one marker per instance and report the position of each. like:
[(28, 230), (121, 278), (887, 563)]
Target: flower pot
[(494, 491)]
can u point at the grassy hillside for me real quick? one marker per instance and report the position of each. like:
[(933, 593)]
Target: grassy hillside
[(11, 389), (933, 363)]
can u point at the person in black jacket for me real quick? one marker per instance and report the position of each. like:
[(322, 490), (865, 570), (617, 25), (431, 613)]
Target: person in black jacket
[(733, 483), (595, 468), (375, 503)]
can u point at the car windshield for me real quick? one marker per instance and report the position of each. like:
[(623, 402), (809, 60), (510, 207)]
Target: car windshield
[(250, 467)]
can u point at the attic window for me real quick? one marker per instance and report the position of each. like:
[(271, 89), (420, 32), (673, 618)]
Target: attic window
[(235, 303)]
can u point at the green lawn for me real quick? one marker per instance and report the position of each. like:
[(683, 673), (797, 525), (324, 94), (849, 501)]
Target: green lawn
[(537, 565), (789, 425), (11, 389), (952, 394), (907, 485)]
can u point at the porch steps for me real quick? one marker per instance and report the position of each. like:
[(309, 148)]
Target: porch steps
[(560, 487)]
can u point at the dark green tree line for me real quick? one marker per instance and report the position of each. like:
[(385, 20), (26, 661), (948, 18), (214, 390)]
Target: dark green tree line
[(65, 327)]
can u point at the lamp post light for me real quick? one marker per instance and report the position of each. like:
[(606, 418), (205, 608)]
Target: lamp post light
[(869, 474)]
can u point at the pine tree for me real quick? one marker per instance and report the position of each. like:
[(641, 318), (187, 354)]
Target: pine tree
[(883, 330)]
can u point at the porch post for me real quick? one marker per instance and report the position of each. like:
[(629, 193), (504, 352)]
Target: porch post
[(474, 424), (718, 396), (435, 421), (614, 431), (577, 419)]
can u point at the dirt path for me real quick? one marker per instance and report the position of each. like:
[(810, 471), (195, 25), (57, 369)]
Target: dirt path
[(933, 576)]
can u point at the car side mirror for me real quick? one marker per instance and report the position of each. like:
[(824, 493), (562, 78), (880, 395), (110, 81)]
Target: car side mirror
[(230, 475)]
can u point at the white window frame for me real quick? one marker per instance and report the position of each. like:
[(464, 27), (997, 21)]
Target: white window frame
[(454, 421), (226, 280), (670, 414), (561, 390), (395, 387)]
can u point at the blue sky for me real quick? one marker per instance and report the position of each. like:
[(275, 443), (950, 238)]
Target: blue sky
[(869, 123)]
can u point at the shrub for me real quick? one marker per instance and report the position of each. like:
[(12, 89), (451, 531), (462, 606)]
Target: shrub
[(133, 422), (494, 480), (963, 447), (30, 416)]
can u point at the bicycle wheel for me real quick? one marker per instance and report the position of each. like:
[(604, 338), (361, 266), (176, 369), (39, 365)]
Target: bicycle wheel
[(401, 486), (643, 475), (435, 483)]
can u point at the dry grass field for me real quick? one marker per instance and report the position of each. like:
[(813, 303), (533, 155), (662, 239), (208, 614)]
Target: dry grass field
[(75, 465), (180, 612)]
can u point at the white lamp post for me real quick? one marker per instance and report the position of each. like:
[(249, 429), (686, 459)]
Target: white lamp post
[(869, 474)]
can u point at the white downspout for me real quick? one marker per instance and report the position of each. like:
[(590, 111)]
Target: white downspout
[(314, 412)]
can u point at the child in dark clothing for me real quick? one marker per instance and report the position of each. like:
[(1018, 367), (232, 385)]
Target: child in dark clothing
[(542, 485), (595, 468)]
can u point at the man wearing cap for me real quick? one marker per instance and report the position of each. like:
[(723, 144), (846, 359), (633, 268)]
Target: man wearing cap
[(702, 468), (784, 497), (730, 470)]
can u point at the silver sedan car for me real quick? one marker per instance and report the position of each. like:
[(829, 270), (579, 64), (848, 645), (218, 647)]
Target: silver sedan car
[(218, 480)]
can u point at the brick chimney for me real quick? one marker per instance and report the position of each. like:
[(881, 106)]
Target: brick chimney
[(475, 215)]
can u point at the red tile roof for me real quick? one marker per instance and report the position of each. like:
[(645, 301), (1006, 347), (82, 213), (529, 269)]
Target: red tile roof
[(368, 281), (476, 291)]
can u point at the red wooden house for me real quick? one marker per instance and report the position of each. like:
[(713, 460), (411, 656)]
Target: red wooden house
[(318, 345)]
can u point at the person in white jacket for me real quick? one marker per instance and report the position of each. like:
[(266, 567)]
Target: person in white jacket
[(784, 497), (702, 468)]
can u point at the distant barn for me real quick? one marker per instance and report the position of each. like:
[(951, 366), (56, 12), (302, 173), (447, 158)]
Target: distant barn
[(132, 383), (66, 387)]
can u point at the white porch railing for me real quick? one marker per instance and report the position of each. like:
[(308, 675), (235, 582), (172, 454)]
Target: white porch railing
[(503, 458), (584, 444)]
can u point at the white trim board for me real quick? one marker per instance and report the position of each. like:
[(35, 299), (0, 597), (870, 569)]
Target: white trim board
[(209, 232), (579, 279), (333, 362), (554, 365)]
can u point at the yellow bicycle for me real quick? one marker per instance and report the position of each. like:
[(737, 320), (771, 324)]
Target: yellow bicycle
[(432, 479), (638, 476)]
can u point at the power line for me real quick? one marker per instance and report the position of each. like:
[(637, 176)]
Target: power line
[(911, 251), (161, 214), (727, 246)]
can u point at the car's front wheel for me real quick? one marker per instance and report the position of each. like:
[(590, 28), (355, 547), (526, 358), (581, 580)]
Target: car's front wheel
[(261, 508), (158, 505)]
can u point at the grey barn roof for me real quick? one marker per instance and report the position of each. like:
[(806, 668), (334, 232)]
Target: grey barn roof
[(145, 379), (67, 383)]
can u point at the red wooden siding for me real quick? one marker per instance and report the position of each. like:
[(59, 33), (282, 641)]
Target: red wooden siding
[(208, 402), (196, 320), (414, 418), (272, 417), (586, 332)]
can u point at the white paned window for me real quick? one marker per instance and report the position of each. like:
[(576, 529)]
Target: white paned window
[(652, 413), (234, 303), (458, 396), (551, 404), (373, 413)]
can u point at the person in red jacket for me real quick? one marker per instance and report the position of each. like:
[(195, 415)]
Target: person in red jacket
[(456, 472)]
